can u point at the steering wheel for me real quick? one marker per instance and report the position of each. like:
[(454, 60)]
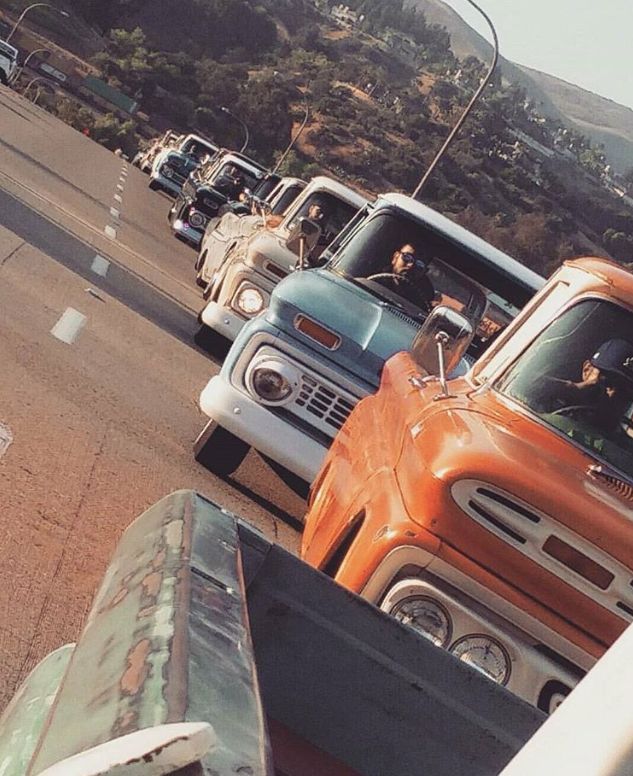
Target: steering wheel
[(391, 275)]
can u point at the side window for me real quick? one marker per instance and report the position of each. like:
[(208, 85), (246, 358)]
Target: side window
[(577, 376), (346, 233)]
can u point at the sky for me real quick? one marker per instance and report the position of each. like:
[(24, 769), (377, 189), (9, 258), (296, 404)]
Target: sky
[(586, 42)]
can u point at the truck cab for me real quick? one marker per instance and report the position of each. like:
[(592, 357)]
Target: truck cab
[(8, 62), (238, 224), (201, 197), (172, 165), (238, 286), (294, 373), (492, 513)]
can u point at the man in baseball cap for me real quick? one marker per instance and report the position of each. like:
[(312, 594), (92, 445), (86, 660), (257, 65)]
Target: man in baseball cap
[(614, 359)]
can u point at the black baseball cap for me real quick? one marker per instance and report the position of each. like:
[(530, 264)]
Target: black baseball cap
[(615, 357)]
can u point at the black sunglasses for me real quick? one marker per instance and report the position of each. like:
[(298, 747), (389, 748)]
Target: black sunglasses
[(408, 257)]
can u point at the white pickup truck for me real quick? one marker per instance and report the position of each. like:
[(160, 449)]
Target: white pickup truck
[(8, 62)]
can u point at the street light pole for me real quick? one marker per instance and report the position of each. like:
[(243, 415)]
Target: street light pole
[(245, 128), (25, 63), (469, 107), (27, 9), (31, 82), (301, 128)]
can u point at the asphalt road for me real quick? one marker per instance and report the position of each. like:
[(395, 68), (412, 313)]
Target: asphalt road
[(99, 380)]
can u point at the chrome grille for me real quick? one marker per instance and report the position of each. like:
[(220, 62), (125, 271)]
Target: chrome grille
[(323, 403), (530, 532)]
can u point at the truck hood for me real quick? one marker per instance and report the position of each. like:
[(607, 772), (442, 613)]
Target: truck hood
[(370, 330), (268, 245), (537, 469)]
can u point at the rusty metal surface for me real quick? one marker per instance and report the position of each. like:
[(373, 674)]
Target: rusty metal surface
[(167, 640)]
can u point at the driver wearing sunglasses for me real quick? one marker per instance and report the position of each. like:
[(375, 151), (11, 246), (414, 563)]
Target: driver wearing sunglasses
[(408, 277)]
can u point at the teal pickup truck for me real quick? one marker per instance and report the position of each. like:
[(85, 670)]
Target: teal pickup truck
[(210, 651), (296, 371)]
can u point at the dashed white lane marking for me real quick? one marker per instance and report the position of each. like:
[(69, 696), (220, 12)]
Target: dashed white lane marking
[(69, 325), (119, 187), (6, 437), (118, 198), (114, 212), (92, 292), (110, 232), (100, 266)]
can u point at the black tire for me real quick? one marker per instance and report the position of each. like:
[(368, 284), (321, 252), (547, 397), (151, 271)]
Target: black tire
[(211, 342), (154, 186), (219, 451)]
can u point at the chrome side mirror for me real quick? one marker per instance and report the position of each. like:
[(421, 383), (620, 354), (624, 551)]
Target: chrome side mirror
[(303, 239), (442, 342)]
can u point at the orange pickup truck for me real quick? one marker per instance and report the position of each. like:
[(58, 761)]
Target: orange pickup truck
[(493, 513)]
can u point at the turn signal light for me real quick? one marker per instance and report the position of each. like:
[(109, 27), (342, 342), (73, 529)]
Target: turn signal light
[(578, 562), (316, 332)]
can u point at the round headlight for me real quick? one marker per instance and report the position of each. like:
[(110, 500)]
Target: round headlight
[(485, 655), (196, 219), (425, 616), (167, 171), (272, 381), (250, 300)]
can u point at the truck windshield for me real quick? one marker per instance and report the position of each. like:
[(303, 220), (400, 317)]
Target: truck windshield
[(182, 164), (577, 376), (197, 149), (231, 179), (410, 266), (329, 212), (286, 199)]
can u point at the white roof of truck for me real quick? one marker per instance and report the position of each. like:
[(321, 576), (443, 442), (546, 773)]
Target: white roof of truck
[(8, 49)]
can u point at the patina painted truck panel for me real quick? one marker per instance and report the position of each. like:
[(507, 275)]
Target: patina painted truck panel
[(201, 619)]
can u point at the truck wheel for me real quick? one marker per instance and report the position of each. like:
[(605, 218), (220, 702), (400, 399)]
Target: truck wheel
[(218, 450), (211, 342)]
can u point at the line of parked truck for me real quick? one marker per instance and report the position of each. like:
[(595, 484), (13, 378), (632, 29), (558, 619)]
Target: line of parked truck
[(466, 428)]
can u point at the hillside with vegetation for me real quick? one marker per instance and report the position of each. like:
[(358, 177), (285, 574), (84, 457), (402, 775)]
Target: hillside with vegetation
[(384, 88), (600, 119)]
